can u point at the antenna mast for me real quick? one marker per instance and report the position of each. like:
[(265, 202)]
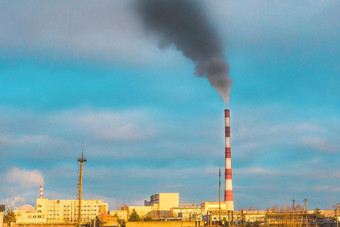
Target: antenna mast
[(81, 160)]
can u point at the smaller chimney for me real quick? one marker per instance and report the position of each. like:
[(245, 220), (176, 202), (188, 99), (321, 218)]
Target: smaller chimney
[(41, 191)]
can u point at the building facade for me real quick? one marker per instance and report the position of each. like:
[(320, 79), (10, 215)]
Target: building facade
[(163, 201), (61, 211)]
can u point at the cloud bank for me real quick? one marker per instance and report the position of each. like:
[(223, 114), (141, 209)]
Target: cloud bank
[(23, 177), (167, 152)]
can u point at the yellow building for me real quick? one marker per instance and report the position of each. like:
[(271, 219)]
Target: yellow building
[(2, 209), (106, 220), (193, 213), (60, 211), (214, 206), (159, 205), (163, 201)]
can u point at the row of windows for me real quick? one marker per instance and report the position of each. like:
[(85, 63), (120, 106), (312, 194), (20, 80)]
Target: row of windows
[(57, 211), (35, 216), (75, 217), (83, 214), (94, 206)]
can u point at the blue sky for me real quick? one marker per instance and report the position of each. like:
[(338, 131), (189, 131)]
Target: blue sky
[(73, 74)]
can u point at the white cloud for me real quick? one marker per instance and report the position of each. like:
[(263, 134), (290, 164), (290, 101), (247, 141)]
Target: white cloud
[(23, 177), (107, 125), (60, 129), (22, 140), (26, 207), (15, 200), (318, 143), (160, 157), (109, 31), (255, 137), (264, 23), (326, 188), (258, 171)]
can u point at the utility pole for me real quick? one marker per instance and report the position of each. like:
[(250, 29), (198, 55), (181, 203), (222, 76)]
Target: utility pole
[(81, 160), (305, 210), (293, 211), (336, 216), (229, 217), (219, 195)]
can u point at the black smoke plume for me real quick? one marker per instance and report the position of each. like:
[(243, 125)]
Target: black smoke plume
[(182, 23)]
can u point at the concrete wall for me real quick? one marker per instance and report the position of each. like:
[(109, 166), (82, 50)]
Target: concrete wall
[(164, 224), (168, 200)]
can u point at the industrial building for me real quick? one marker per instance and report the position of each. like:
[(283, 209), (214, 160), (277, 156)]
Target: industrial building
[(2, 209), (61, 211), (163, 201), (188, 213), (157, 207)]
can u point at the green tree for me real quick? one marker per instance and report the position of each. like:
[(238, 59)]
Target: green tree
[(134, 216), (10, 217), (120, 221), (148, 218), (318, 213)]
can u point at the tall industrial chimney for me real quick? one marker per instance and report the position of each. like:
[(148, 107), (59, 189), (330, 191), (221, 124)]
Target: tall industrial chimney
[(41, 191), (228, 193)]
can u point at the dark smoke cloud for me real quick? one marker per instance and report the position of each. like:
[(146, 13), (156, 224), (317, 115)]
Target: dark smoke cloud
[(183, 24)]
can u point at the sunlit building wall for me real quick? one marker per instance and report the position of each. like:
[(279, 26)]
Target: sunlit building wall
[(61, 211), (165, 201)]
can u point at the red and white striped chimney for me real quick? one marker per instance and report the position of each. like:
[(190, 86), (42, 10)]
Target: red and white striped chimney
[(41, 191), (228, 193)]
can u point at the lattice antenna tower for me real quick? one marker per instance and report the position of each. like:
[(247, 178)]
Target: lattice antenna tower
[(81, 161)]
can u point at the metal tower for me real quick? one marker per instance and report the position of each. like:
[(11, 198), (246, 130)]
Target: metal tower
[(81, 160)]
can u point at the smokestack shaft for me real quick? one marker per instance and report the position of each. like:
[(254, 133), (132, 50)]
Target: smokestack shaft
[(41, 191), (228, 193)]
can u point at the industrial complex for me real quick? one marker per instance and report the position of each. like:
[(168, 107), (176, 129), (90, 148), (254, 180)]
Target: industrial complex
[(163, 209)]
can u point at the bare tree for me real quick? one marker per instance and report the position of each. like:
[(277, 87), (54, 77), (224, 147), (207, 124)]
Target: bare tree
[(298, 208), (275, 208), (337, 205)]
